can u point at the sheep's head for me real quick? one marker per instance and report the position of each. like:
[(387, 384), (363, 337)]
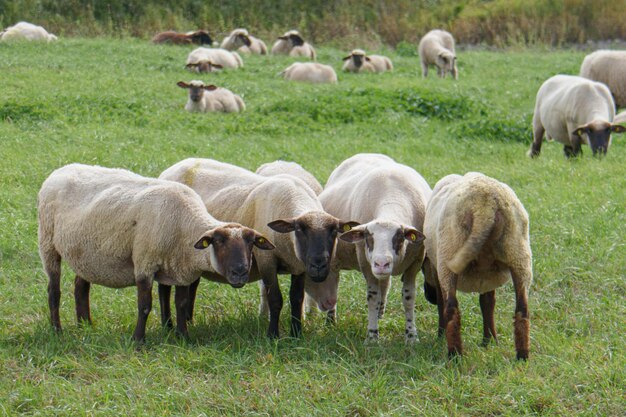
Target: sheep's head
[(384, 244), (196, 89), (315, 237), (597, 134), (230, 251), (203, 66), (293, 37), (201, 37), (241, 36), (357, 56), (446, 61)]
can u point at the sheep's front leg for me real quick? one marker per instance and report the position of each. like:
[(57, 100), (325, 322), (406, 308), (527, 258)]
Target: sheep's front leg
[(144, 305), (81, 297), (275, 301), (383, 285), (296, 299), (373, 306), (487, 307), (408, 301), (424, 70), (181, 299), (164, 304)]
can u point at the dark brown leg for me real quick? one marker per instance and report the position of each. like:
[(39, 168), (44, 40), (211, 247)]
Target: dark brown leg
[(275, 301), (144, 305), (440, 309), (164, 303), (53, 270), (193, 290), (181, 299), (296, 298), (487, 307), (453, 322), (81, 297)]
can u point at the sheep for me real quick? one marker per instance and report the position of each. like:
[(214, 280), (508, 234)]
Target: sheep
[(227, 59), (358, 61), (240, 40), (199, 37), (209, 98), (389, 200), (203, 65), (573, 110), (285, 209), (292, 44), (26, 31), (312, 72), (437, 48), (477, 239), (620, 118), (607, 67), (290, 168), (119, 229)]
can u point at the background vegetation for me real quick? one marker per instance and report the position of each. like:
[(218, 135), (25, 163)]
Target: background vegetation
[(346, 23), (115, 103)]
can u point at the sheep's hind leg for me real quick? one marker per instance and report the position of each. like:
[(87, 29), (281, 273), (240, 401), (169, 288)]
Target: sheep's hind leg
[(81, 297), (275, 301), (144, 305), (487, 307), (164, 303), (52, 266), (181, 300), (522, 320)]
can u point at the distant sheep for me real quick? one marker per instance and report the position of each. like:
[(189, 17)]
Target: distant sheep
[(292, 44), (312, 72), (199, 37), (217, 56), (26, 31), (203, 66), (437, 48), (290, 168), (358, 61), (620, 119), (574, 110), (607, 67), (209, 98), (119, 229), (240, 40), (477, 240)]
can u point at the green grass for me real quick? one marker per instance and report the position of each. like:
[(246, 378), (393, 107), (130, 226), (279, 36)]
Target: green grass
[(115, 103)]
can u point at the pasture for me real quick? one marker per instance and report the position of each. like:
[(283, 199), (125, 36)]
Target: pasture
[(115, 103)]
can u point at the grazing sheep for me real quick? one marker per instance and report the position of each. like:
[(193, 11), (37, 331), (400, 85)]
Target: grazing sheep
[(26, 31), (437, 48), (199, 37), (284, 208), (312, 72), (209, 98), (240, 40), (607, 67), (292, 44), (358, 61), (227, 59), (290, 168), (389, 200), (573, 110), (477, 240), (119, 229)]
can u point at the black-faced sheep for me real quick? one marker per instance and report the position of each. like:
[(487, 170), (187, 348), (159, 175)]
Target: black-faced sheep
[(241, 40), (199, 37), (437, 48), (209, 98), (217, 56), (292, 44), (358, 61)]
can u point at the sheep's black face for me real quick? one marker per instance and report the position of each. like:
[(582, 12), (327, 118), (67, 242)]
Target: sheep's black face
[(358, 60), (244, 39), (196, 93), (296, 40), (599, 135), (202, 38)]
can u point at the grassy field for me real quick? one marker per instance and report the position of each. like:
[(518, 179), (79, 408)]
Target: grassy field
[(115, 103)]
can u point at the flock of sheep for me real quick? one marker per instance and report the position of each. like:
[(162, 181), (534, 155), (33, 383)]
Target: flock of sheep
[(206, 218)]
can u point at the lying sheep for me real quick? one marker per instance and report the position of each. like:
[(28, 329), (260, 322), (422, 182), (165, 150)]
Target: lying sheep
[(26, 31), (199, 37), (209, 98), (292, 44), (312, 72), (607, 67), (389, 200), (284, 208), (227, 59), (290, 168), (240, 40), (358, 61), (204, 65), (477, 240), (118, 229), (573, 110), (437, 48)]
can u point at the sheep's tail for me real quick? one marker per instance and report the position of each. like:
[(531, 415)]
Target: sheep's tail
[(483, 222)]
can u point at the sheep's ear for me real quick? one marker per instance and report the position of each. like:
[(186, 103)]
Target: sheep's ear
[(297, 40), (218, 66), (183, 84), (204, 242), (353, 236), (347, 226), (283, 38), (618, 128), (210, 87), (346, 58), (580, 130), (282, 226), (191, 65), (413, 235), (261, 242), (367, 58), (246, 40)]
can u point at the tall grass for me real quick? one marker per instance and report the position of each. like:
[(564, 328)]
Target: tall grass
[(344, 23)]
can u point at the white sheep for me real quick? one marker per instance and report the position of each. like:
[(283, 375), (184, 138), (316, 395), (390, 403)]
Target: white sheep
[(227, 59), (312, 72), (26, 31), (209, 98), (282, 207), (477, 240), (389, 200), (292, 44), (119, 229), (573, 110), (359, 61), (437, 48), (607, 67), (620, 118), (203, 65), (290, 168), (241, 40)]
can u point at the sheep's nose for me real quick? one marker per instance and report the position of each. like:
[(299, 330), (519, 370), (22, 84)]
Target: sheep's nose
[(382, 264)]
